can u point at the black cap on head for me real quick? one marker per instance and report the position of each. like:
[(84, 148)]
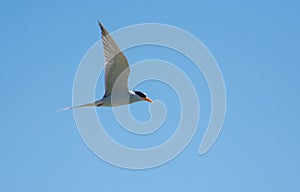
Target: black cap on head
[(141, 94)]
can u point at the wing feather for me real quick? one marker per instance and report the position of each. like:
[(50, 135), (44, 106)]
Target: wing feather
[(115, 64)]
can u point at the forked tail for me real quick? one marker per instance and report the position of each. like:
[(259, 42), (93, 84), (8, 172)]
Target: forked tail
[(80, 106)]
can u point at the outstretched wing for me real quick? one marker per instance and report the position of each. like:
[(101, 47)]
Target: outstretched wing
[(115, 64)]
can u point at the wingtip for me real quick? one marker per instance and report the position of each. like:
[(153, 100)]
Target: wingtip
[(99, 23), (103, 30)]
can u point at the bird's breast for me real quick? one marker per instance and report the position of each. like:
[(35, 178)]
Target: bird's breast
[(115, 100)]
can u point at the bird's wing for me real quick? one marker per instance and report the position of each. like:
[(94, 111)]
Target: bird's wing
[(115, 64)]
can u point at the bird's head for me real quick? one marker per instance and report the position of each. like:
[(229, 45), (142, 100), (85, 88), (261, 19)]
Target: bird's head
[(139, 96)]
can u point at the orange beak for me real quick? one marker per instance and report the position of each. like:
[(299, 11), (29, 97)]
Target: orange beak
[(147, 99)]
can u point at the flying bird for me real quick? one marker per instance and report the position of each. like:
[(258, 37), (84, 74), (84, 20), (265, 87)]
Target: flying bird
[(116, 77)]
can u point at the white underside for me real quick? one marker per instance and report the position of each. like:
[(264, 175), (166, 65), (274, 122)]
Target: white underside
[(116, 99)]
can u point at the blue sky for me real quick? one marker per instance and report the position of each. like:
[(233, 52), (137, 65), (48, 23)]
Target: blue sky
[(255, 43)]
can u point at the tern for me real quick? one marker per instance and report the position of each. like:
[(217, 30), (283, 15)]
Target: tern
[(116, 77)]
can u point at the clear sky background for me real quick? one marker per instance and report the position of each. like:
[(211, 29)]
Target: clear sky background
[(256, 44)]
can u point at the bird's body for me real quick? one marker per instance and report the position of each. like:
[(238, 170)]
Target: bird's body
[(120, 99), (116, 77)]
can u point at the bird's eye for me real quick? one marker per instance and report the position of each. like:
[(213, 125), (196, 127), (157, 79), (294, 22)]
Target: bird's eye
[(140, 94)]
